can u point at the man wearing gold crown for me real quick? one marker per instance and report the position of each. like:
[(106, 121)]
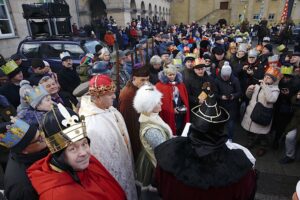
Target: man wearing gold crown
[(11, 89), (106, 128), (26, 146)]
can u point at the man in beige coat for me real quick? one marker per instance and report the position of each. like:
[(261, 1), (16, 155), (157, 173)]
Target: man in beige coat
[(267, 93)]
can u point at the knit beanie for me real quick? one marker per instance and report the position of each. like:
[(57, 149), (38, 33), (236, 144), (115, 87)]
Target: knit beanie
[(269, 47), (226, 70)]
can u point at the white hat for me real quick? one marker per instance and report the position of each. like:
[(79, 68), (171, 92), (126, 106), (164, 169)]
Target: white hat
[(266, 39), (239, 40), (146, 98), (226, 69), (298, 189), (64, 55), (243, 47), (252, 53)]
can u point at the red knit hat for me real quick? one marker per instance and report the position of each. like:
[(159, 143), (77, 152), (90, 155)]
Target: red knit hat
[(100, 85)]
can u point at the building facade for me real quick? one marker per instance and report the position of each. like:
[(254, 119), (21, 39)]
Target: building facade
[(13, 26), (234, 11)]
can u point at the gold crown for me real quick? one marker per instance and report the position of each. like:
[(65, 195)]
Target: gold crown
[(9, 67)]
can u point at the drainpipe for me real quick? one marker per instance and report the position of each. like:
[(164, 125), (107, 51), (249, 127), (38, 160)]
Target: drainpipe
[(77, 12)]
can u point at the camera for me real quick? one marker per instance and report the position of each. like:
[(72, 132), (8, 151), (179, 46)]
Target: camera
[(181, 109)]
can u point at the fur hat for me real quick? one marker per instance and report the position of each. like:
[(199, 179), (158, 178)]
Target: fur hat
[(17, 135), (170, 69), (100, 85), (146, 98)]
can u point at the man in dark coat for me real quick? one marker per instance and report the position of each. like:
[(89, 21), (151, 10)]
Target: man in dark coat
[(38, 71), (140, 76), (11, 89), (67, 76), (195, 82), (203, 165), (26, 147)]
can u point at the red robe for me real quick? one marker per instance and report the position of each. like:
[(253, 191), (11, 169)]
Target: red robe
[(167, 113), (96, 182), (170, 188)]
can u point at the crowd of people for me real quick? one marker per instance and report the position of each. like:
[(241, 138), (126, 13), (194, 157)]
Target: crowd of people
[(157, 114)]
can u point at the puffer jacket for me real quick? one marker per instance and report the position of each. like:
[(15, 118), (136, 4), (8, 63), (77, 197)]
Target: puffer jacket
[(268, 95)]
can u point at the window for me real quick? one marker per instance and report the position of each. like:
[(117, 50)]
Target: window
[(271, 16), (31, 50), (75, 50), (50, 50), (256, 17), (6, 28), (224, 5)]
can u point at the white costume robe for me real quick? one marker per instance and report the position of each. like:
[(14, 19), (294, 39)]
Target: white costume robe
[(110, 143)]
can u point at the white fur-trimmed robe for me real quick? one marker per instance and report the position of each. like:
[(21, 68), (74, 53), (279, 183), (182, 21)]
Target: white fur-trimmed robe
[(108, 144)]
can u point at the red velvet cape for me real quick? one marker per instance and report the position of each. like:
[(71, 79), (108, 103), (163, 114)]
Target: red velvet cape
[(96, 182), (167, 113)]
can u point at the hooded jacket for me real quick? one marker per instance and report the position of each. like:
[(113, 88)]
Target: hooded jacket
[(96, 182)]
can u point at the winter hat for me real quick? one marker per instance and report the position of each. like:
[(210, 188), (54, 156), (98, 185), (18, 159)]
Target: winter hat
[(252, 53), (218, 50), (16, 135), (189, 56), (101, 67), (87, 59), (16, 57), (64, 56), (114, 55), (81, 89), (33, 96), (269, 47), (243, 47), (170, 69), (140, 70), (226, 69), (239, 40), (206, 56), (100, 85), (37, 62), (10, 69), (25, 87), (146, 98), (98, 47), (266, 39)]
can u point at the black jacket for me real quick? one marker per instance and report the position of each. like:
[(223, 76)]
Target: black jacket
[(11, 92), (68, 79), (194, 84), (17, 186), (34, 78), (230, 87)]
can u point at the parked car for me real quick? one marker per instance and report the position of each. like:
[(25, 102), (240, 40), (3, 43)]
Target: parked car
[(49, 49)]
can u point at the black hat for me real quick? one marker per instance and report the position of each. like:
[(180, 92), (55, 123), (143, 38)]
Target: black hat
[(218, 50), (140, 70), (16, 136), (16, 57), (269, 47), (61, 127), (37, 62), (206, 132), (296, 53), (206, 56), (218, 38), (2, 60), (98, 47)]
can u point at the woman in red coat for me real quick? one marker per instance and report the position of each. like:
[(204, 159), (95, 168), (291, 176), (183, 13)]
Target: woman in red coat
[(70, 172), (175, 104)]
